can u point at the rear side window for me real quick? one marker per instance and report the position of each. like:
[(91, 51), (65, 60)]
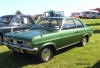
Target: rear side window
[(6, 19), (16, 19), (68, 24), (78, 24), (27, 20)]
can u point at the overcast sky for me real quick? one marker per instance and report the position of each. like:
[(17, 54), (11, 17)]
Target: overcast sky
[(39, 6)]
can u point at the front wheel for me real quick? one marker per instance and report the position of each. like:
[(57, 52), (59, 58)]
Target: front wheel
[(83, 42), (14, 52), (45, 54)]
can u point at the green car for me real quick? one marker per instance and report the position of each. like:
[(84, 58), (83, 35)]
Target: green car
[(48, 36)]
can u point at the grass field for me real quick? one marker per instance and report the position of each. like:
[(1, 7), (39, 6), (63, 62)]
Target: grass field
[(71, 57)]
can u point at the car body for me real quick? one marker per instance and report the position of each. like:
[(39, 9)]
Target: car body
[(12, 23), (97, 16), (48, 35), (76, 14), (52, 13), (88, 14)]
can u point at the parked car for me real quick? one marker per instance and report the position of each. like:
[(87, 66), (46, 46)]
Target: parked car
[(97, 16), (48, 36), (10, 23), (76, 14), (88, 14)]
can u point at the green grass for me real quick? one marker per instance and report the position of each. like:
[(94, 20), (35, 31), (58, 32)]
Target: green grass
[(71, 57)]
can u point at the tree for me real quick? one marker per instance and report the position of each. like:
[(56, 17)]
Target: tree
[(18, 12), (97, 8)]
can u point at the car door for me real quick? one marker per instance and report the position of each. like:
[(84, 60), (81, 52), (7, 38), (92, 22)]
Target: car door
[(69, 32), (51, 32), (4, 27), (4, 24), (27, 22), (80, 29)]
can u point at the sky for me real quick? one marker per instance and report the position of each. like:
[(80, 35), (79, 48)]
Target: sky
[(33, 7)]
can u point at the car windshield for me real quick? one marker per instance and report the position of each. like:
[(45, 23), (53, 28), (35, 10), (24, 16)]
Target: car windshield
[(6, 19), (48, 23)]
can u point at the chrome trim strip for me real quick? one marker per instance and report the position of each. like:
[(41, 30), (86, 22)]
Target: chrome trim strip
[(67, 46), (22, 47), (14, 45), (4, 43)]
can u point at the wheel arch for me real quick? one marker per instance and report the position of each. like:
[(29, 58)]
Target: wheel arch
[(51, 45), (87, 36)]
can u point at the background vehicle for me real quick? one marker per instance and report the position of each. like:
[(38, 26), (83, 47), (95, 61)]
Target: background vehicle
[(47, 36), (76, 14), (97, 16), (10, 23), (88, 14), (52, 13)]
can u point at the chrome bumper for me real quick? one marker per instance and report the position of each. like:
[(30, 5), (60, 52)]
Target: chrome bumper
[(20, 47)]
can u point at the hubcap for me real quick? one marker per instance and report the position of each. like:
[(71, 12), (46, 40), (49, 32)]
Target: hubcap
[(84, 41), (46, 53)]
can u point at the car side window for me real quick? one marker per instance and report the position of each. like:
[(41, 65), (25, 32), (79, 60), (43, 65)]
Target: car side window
[(55, 24), (44, 23), (78, 23), (68, 24), (6, 19), (16, 20), (27, 20)]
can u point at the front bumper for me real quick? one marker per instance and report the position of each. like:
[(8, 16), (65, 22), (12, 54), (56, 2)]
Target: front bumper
[(20, 47)]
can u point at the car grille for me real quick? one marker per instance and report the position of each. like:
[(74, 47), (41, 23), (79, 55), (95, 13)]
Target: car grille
[(15, 41), (19, 42)]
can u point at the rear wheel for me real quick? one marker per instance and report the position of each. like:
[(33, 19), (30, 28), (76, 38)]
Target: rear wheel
[(84, 41), (0, 40), (46, 54)]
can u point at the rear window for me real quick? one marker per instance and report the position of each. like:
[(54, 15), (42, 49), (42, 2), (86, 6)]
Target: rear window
[(78, 23), (6, 19)]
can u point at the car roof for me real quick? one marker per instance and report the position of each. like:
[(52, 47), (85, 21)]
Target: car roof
[(13, 15), (7, 16), (59, 18)]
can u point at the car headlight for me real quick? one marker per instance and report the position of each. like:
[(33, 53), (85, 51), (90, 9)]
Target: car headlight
[(28, 44), (14, 41)]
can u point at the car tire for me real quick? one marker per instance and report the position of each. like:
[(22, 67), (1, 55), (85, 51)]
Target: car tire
[(93, 17), (0, 40), (14, 52), (45, 54), (83, 42)]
